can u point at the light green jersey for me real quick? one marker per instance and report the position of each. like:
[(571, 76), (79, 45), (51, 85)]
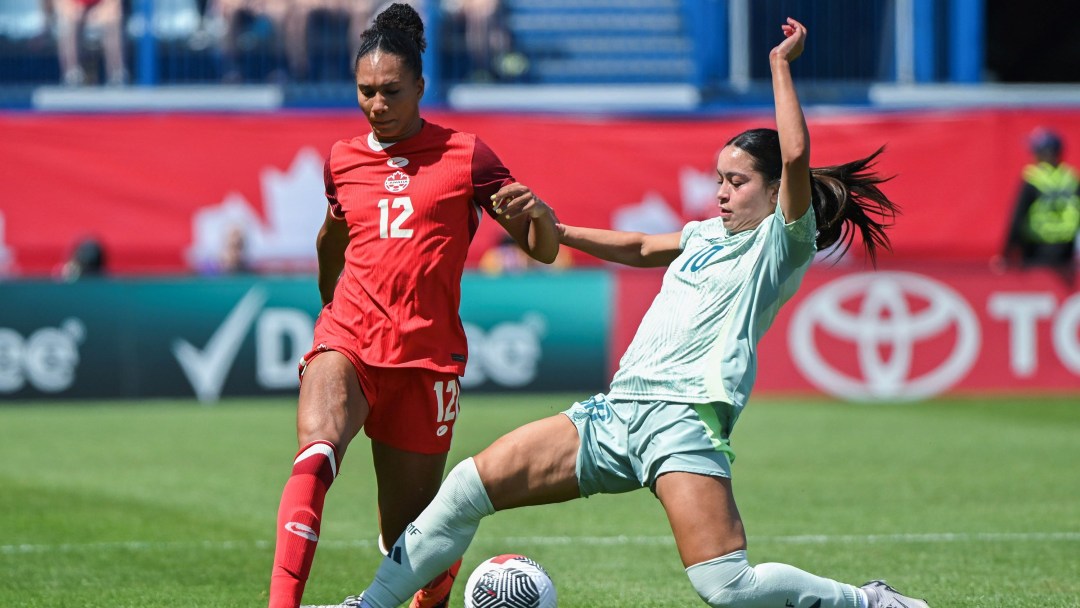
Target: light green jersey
[(698, 341)]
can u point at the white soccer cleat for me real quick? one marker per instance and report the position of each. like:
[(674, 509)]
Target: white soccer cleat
[(884, 596), (353, 601)]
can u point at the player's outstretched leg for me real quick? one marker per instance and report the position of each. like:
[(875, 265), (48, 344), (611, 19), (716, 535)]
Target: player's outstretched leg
[(432, 543), (881, 595)]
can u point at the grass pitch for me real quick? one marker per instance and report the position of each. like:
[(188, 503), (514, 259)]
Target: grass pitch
[(972, 503)]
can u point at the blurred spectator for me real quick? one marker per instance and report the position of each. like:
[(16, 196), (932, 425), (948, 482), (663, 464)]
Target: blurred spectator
[(87, 260), (507, 257), (290, 21), (6, 257), (73, 19), (233, 257), (358, 13), (488, 43), (230, 13), (1046, 218)]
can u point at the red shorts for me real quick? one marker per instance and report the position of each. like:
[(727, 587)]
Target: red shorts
[(412, 408)]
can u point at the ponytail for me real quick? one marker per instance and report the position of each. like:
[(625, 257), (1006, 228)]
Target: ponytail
[(847, 200)]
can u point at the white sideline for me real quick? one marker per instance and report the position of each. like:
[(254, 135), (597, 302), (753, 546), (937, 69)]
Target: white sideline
[(811, 539)]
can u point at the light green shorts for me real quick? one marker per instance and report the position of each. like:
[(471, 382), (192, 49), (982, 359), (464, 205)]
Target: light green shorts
[(626, 445)]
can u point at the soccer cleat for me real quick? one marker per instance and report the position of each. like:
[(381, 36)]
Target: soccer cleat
[(437, 593), (881, 595), (353, 601)]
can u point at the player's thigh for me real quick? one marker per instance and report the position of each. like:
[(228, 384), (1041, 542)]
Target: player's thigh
[(407, 481), (532, 465), (703, 515), (332, 405)]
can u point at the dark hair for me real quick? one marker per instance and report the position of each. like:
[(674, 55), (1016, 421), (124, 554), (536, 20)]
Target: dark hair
[(89, 255), (846, 197), (1045, 141), (398, 30)]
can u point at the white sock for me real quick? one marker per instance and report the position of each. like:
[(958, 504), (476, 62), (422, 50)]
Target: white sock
[(730, 580), (438, 537)]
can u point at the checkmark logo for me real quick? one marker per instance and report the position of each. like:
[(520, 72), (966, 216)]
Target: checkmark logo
[(207, 368)]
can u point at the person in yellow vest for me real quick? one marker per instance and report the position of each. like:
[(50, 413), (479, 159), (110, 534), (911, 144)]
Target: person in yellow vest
[(1046, 219)]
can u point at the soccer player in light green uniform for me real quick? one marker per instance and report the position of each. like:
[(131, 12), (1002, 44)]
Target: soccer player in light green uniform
[(682, 383)]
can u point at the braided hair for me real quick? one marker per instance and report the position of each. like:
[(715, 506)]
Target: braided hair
[(397, 30)]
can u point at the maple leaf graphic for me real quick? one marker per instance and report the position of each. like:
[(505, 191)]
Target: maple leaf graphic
[(293, 203)]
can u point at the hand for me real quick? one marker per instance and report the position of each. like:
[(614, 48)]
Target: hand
[(514, 200), (794, 40)]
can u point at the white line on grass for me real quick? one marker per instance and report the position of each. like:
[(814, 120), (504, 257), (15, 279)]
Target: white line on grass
[(808, 539)]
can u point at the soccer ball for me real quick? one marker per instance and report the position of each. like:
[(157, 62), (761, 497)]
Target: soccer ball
[(509, 581)]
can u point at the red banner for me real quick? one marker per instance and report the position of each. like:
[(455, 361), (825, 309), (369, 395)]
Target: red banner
[(162, 191), (905, 333)]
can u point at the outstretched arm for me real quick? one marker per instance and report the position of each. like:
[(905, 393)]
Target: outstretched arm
[(629, 248), (795, 189)]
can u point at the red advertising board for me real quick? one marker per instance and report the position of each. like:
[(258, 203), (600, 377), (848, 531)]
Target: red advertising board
[(905, 332), (162, 190)]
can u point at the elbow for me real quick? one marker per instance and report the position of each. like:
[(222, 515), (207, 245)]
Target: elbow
[(547, 256), (797, 153)]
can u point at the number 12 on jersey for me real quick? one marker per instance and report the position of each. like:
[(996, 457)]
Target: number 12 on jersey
[(393, 230)]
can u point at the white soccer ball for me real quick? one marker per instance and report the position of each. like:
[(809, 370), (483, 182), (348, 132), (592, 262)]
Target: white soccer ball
[(509, 581)]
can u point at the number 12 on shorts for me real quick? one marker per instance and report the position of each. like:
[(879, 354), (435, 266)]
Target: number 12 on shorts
[(446, 397)]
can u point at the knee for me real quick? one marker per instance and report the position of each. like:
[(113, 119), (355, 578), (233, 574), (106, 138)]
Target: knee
[(724, 581), (464, 493)]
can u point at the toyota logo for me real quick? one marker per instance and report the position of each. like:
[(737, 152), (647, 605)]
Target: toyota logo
[(909, 337)]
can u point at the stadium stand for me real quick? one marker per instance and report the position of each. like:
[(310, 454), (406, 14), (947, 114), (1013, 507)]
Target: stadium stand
[(608, 55), (603, 41)]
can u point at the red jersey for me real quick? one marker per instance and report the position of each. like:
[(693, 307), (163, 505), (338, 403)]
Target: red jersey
[(412, 208)]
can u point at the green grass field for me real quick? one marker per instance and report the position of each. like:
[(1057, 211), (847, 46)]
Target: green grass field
[(972, 503)]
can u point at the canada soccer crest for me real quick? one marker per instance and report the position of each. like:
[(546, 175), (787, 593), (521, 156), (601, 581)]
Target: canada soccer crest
[(397, 181)]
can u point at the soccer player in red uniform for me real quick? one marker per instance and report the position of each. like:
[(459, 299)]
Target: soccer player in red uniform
[(404, 202)]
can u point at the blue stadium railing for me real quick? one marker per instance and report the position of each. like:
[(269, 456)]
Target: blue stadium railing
[(714, 47)]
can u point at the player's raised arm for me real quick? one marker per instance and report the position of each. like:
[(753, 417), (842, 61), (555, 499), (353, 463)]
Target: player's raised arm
[(629, 248), (795, 189)]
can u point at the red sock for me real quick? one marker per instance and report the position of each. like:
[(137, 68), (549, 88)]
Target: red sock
[(299, 517)]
